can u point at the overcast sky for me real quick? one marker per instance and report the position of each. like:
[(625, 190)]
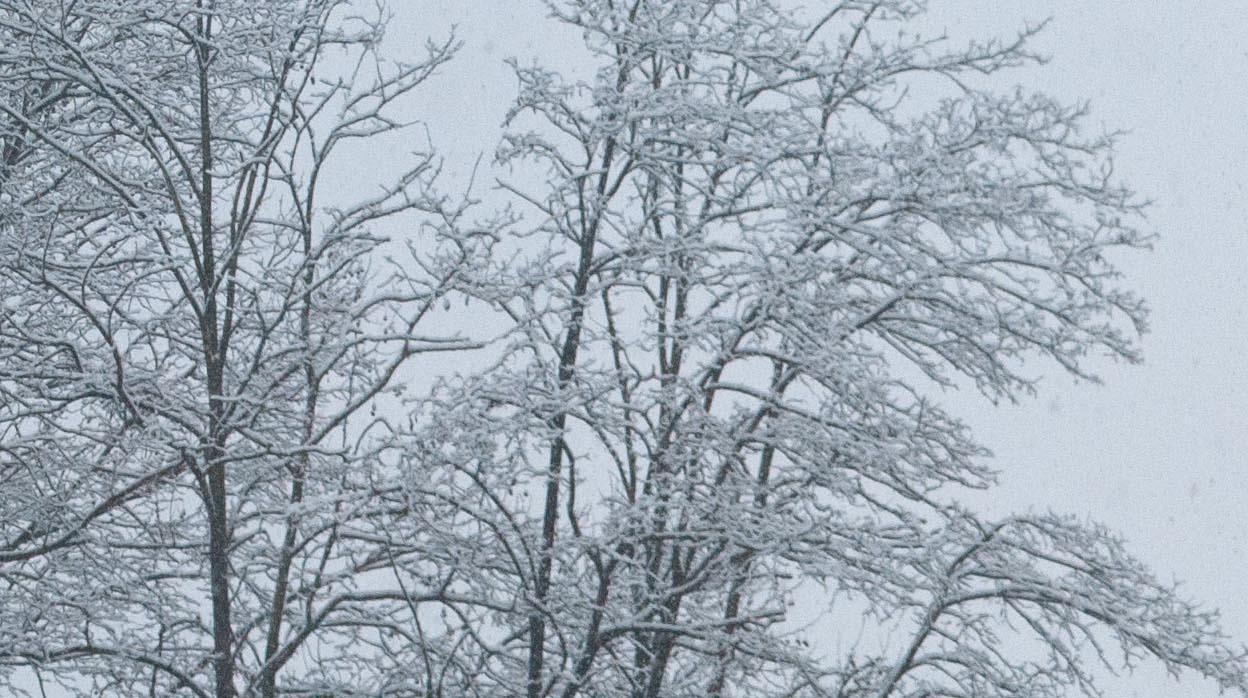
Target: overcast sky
[(1160, 451)]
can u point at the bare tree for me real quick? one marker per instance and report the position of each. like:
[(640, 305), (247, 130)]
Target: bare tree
[(196, 332), (768, 239), (744, 258)]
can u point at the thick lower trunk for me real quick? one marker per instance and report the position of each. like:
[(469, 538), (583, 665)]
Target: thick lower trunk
[(219, 580)]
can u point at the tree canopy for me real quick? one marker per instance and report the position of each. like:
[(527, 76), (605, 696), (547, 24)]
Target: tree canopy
[(701, 327)]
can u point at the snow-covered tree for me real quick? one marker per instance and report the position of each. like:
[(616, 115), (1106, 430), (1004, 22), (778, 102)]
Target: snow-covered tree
[(701, 455), (196, 328), (762, 239)]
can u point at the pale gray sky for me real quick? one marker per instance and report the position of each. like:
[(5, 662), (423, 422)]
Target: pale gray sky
[(1160, 452)]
